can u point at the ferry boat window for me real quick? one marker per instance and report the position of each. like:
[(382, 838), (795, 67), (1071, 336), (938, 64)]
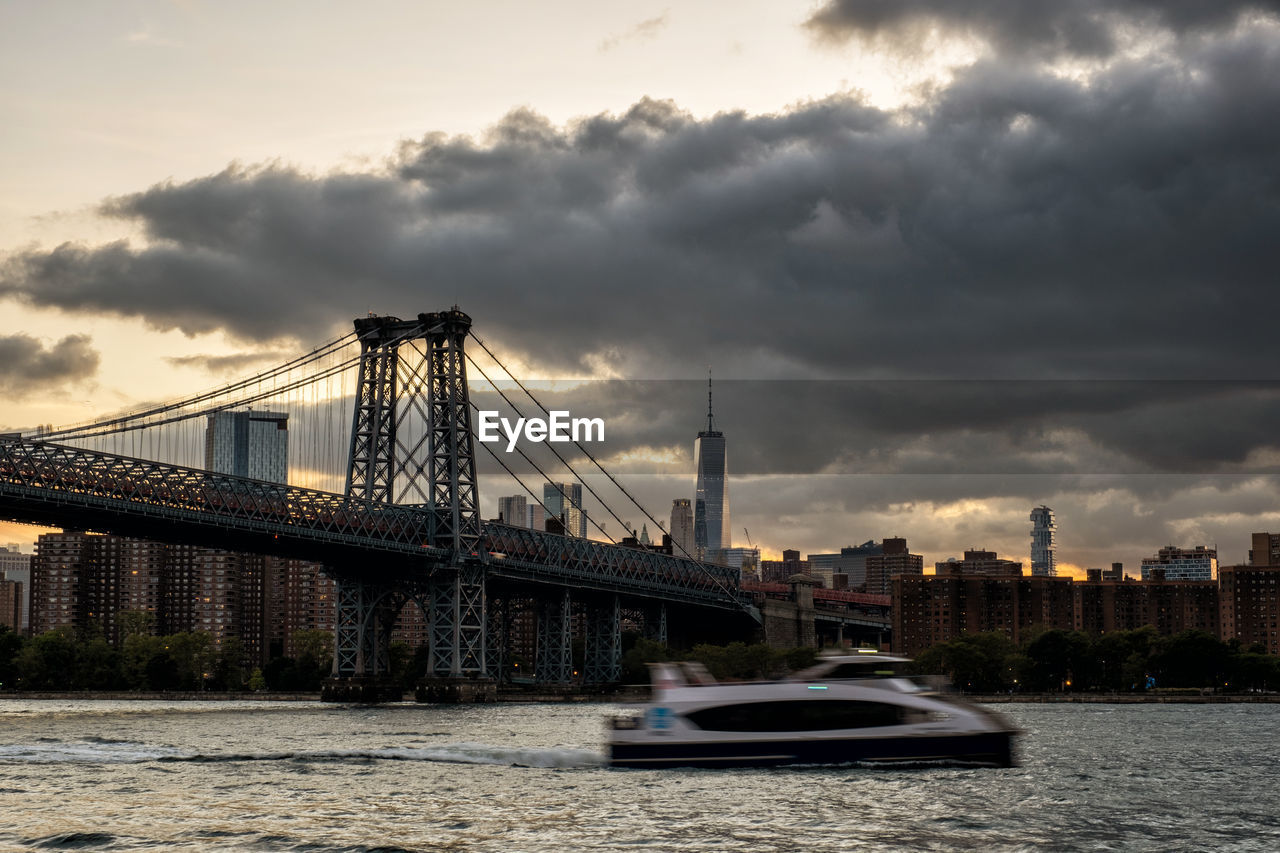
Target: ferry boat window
[(797, 716), (862, 670)]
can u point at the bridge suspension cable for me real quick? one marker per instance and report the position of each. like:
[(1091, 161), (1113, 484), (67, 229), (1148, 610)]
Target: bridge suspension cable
[(702, 564), (130, 420)]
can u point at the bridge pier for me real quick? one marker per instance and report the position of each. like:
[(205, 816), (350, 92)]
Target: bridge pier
[(458, 624), (366, 614), (555, 640), (655, 623), (603, 651)]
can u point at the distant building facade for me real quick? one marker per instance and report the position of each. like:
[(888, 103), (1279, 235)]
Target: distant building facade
[(514, 510), (15, 568), (1182, 564), (778, 571), (248, 444), (682, 527), (894, 559), (1102, 606), (979, 562), (1044, 544), (931, 609), (745, 560), (1249, 596), (564, 504)]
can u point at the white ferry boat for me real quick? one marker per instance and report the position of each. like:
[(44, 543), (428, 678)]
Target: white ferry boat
[(852, 707)]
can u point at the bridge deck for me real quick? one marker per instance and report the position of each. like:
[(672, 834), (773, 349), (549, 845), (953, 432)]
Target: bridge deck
[(66, 486)]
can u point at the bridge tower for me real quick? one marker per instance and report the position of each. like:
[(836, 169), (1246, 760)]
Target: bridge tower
[(415, 368)]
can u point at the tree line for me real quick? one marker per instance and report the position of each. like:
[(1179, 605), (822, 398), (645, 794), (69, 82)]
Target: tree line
[(1135, 661), (61, 660)]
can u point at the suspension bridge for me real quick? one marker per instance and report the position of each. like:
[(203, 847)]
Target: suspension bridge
[(383, 492)]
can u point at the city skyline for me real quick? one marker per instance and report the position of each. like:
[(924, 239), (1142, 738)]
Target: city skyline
[(970, 275)]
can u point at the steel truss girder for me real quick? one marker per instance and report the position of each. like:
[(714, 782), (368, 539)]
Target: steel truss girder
[(602, 662), (35, 474), (555, 640), (582, 562), (100, 483)]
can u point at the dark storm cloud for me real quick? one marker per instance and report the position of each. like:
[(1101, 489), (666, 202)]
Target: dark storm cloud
[(27, 366), (1019, 224), (1028, 27)]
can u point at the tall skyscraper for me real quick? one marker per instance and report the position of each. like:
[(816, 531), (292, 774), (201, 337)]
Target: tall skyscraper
[(248, 444), (711, 530), (1044, 546), (569, 511), (514, 510), (682, 527)]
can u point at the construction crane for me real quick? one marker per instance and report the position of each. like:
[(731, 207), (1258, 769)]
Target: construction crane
[(750, 544)]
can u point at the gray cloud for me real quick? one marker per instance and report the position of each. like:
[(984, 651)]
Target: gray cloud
[(28, 366), (1091, 28), (224, 364), (646, 29)]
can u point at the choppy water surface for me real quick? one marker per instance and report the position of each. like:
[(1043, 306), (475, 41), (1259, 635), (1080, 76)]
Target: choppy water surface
[(259, 776)]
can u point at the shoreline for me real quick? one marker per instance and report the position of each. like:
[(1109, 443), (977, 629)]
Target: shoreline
[(638, 694)]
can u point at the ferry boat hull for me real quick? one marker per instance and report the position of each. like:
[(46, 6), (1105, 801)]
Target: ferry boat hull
[(988, 749)]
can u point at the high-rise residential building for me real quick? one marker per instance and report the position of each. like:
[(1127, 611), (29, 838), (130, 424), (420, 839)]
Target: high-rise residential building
[(682, 527), (893, 559), (1249, 596), (16, 567), (248, 444), (537, 517), (564, 502), (778, 571), (514, 510), (1044, 545), (1103, 605), (711, 526), (934, 609), (1182, 564), (745, 560), (11, 604)]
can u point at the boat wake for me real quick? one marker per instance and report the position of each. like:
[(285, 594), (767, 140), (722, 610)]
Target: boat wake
[(100, 751)]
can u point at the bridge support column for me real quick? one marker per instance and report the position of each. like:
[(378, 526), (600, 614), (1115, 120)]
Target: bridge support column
[(603, 663), (555, 640), (497, 638), (458, 623), (655, 623), (366, 614)]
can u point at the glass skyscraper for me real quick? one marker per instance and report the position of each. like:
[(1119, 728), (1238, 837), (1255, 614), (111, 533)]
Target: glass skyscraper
[(711, 531), (570, 511), (248, 444)]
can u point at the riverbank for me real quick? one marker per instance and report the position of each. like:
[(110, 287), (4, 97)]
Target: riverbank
[(1126, 698), (626, 694), (641, 694)]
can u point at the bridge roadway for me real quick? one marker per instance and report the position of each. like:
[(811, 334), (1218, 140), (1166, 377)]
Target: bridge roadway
[(62, 486)]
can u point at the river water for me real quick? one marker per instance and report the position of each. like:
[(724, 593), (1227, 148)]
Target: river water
[(256, 776)]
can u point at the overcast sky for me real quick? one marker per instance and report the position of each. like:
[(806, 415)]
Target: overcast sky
[(951, 260)]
